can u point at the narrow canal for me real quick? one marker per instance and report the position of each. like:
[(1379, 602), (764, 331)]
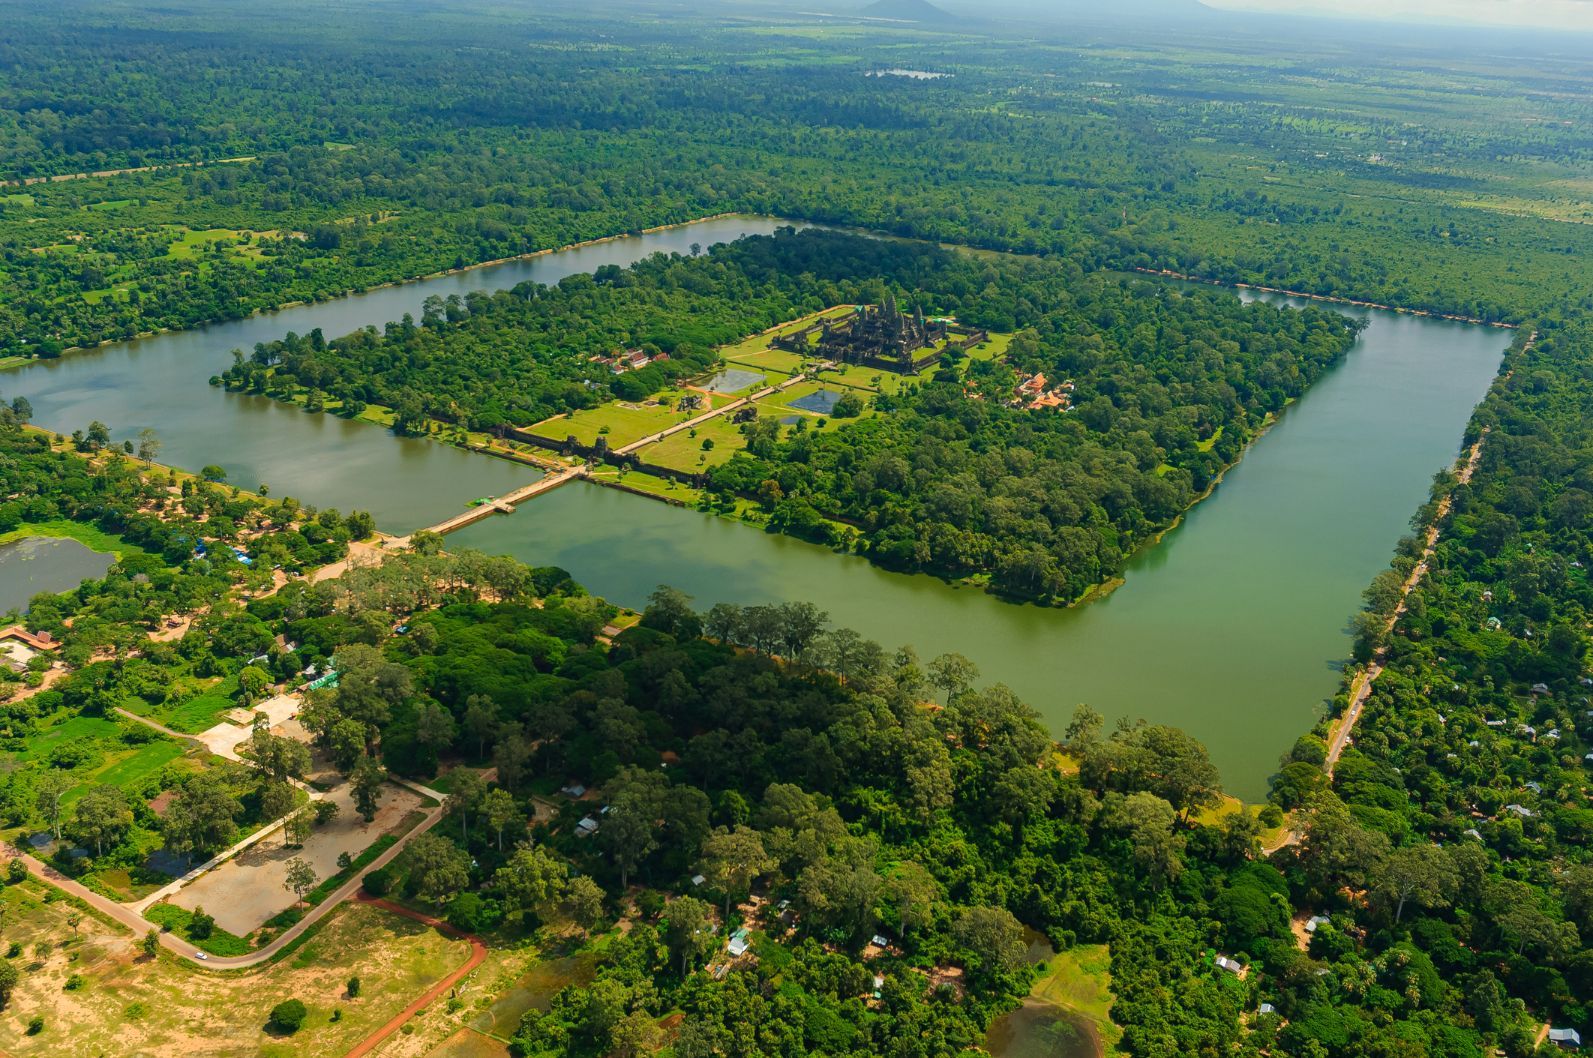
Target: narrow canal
[(1232, 628)]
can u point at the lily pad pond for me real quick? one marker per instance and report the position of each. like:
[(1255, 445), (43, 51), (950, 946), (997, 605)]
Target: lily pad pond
[(37, 564)]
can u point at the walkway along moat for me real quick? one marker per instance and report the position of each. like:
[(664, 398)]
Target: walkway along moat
[(1232, 627)]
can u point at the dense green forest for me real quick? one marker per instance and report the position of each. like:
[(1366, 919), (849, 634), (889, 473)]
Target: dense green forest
[(1169, 388), (854, 789), (806, 765), (532, 136)]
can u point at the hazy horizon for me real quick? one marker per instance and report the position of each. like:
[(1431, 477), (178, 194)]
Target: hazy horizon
[(1526, 14)]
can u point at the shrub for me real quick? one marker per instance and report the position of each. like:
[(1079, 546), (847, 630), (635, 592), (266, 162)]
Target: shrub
[(353, 987), (288, 1016), (16, 871), (472, 913), (200, 925), (377, 882), (35, 1025)]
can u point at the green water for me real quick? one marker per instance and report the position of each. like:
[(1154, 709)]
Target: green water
[(162, 382), (37, 564), (1234, 627), (1040, 1030)]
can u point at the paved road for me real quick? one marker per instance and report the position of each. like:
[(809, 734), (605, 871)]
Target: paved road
[(185, 949)]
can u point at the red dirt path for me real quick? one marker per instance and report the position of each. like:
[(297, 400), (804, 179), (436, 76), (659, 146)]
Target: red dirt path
[(478, 952)]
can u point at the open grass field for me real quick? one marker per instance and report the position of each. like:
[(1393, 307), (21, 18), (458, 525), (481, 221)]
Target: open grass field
[(682, 451), (759, 343), (782, 400), (89, 536), (189, 243), (626, 422), (195, 704), (128, 1004), (200, 713), (1080, 980), (133, 766), (871, 379), (97, 728), (992, 348), (665, 488), (774, 362), (109, 761)]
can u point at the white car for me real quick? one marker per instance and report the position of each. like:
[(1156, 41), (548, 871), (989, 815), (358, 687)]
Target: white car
[(201, 955)]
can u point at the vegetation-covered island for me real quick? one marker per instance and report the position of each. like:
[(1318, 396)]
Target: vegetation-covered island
[(1090, 414)]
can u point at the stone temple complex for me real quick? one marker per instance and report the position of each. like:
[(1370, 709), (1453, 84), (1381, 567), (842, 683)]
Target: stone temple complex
[(882, 337)]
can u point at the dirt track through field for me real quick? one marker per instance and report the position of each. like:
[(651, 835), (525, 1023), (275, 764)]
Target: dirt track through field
[(478, 953)]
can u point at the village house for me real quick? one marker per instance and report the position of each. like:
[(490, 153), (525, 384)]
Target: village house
[(628, 360), (18, 646), (1565, 1039)]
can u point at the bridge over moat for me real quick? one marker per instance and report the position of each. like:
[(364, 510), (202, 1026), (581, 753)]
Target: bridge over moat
[(506, 503)]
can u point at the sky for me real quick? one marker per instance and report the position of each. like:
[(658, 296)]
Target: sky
[(1555, 14)]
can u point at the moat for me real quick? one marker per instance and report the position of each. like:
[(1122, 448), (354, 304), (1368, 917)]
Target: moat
[(1233, 627)]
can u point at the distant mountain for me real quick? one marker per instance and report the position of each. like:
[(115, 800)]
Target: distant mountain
[(907, 11), (1094, 10)]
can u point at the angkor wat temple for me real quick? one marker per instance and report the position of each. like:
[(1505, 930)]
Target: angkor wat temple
[(874, 336)]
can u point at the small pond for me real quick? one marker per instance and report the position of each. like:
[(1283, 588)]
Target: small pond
[(1039, 1030), (534, 991), (823, 402), (37, 564), (731, 380)]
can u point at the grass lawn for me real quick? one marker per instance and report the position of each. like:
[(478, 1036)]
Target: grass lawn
[(200, 713), (91, 537), (682, 451), (992, 348), (120, 765), (136, 765), (1080, 980), (178, 920), (783, 399), (39, 745), (668, 488), (770, 361), (758, 344), (190, 244), (625, 422), (129, 1004), (857, 376)]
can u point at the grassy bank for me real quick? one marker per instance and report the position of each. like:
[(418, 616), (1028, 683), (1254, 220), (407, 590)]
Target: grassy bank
[(91, 537), (1080, 980)]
